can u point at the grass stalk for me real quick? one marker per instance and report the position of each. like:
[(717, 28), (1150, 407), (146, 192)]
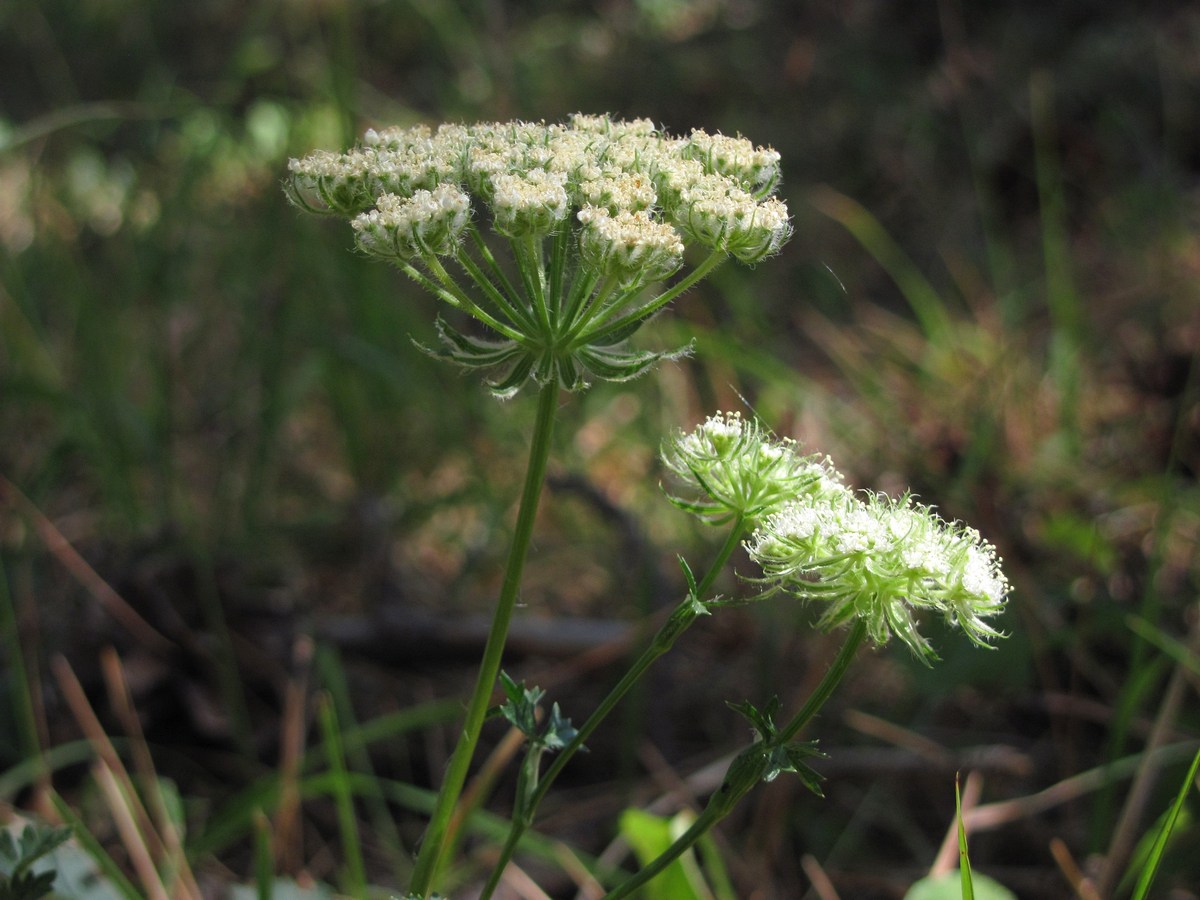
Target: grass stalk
[(1150, 869), (343, 795), (26, 719)]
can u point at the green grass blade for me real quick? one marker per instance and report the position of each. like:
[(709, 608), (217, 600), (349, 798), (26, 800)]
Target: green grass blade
[(922, 297), (333, 676), (343, 796), (264, 859), (964, 861), (26, 721), (1150, 868)]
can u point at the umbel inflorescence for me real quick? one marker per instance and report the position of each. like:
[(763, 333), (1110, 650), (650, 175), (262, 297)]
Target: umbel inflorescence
[(595, 218), (856, 556)]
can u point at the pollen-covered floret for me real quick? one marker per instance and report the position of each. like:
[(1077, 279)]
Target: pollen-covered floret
[(330, 183), (723, 216), (534, 203), (882, 560), (732, 467), (629, 246), (617, 191), (428, 222), (756, 168)]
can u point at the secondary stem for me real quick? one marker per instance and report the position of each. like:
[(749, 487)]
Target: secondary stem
[(661, 643), (736, 784), (433, 846)]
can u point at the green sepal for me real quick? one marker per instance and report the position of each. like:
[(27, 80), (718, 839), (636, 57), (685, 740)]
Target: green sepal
[(559, 731), (521, 707), (781, 757)]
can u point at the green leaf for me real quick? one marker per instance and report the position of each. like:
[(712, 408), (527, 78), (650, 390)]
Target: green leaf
[(54, 864), (27, 886), (521, 707), (649, 836), (17, 856), (949, 887), (558, 731)]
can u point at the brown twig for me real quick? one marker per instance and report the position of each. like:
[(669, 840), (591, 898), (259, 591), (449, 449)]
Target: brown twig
[(817, 879), (288, 838)]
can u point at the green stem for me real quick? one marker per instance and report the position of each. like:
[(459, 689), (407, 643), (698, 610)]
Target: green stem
[(528, 252), (681, 617), (436, 839), (748, 768), (833, 676), (465, 303), (598, 329), (515, 314), (705, 821)]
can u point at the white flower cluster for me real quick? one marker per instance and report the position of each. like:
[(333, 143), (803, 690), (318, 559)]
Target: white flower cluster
[(734, 468), (426, 222), (869, 558), (629, 246), (882, 560), (711, 189), (737, 157)]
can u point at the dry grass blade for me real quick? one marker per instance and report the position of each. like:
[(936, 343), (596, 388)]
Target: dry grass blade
[(122, 806), (139, 835), (113, 603), (588, 887), (122, 702), (1080, 883), (820, 883), (288, 836)]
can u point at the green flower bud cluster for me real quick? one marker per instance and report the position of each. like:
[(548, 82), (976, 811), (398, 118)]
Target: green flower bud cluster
[(734, 468), (882, 560), (599, 213)]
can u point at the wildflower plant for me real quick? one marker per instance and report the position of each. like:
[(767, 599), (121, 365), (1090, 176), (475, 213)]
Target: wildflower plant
[(560, 242)]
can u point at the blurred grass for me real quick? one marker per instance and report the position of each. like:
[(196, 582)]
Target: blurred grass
[(992, 297)]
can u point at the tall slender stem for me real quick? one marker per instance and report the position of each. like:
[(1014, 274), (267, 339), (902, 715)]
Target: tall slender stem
[(429, 859), (681, 617)]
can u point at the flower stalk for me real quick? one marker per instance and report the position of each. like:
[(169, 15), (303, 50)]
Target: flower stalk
[(437, 838)]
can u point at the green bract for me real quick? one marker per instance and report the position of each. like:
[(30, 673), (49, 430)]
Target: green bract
[(593, 215)]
